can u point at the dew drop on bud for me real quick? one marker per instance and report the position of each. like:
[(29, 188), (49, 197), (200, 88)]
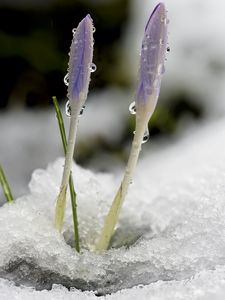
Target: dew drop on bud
[(146, 136), (168, 49), (93, 67), (132, 108), (93, 29), (74, 30), (82, 110), (161, 69), (161, 42), (66, 79), (68, 109), (145, 48), (163, 18)]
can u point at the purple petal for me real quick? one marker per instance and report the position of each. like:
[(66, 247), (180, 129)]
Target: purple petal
[(153, 53), (81, 55)]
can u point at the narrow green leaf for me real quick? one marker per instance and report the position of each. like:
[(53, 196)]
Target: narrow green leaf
[(71, 185), (5, 186)]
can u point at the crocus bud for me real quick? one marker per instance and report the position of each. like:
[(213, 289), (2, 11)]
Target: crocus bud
[(80, 62), (151, 69), (153, 53), (78, 77)]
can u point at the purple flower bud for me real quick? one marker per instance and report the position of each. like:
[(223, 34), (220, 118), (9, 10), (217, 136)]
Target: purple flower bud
[(153, 53), (80, 61)]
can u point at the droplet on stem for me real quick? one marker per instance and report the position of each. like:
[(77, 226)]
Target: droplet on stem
[(82, 110), (66, 79), (146, 136), (93, 67), (68, 109), (132, 108)]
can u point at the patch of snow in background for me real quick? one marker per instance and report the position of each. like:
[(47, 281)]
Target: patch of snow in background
[(31, 139)]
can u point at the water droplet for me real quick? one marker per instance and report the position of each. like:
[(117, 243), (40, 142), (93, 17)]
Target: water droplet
[(152, 47), (145, 48), (161, 69), (82, 110), (66, 79), (163, 18), (93, 67), (68, 109), (93, 29), (146, 136), (74, 30), (156, 83), (132, 108), (161, 42), (168, 49)]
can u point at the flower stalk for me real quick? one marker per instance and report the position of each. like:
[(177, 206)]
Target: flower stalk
[(151, 69), (61, 200), (73, 194), (80, 62)]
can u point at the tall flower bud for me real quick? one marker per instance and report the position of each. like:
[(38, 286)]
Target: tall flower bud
[(152, 60), (153, 53), (80, 61), (77, 79)]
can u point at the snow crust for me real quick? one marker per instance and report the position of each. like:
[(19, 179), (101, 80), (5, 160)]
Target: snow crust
[(175, 214), (206, 285)]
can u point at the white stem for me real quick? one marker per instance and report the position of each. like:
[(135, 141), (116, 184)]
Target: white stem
[(61, 199), (114, 211)]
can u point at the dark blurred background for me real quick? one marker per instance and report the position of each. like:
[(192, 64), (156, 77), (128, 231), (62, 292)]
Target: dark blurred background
[(35, 37)]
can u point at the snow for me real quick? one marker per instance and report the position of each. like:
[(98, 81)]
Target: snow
[(170, 240), (173, 220), (30, 140), (206, 285)]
